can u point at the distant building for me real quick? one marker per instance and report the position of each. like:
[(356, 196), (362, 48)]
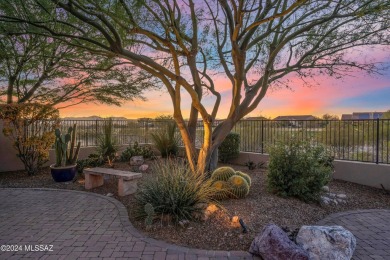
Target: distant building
[(362, 115), (346, 116), (292, 118), (256, 118), (294, 121)]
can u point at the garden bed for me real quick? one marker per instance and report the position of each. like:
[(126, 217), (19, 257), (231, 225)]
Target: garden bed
[(218, 232)]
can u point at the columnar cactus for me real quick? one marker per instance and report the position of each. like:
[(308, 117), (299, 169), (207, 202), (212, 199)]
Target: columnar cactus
[(222, 174), (63, 155), (238, 186), (149, 210)]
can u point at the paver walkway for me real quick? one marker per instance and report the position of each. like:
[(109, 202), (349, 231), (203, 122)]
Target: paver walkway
[(371, 229), (81, 225)]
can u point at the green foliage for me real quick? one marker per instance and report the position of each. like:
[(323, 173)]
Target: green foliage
[(58, 72), (150, 214), (166, 140), (298, 169), (135, 150), (107, 143), (251, 165), (176, 191), (222, 173), (238, 186), (93, 160), (30, 127), (230, 147), (245, 176), (63, 155)]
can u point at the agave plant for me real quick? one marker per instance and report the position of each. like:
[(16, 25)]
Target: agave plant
[(166, 141)]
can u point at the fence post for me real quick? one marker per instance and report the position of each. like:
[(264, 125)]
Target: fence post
[(377, 140), (262, 136), (96, 132)]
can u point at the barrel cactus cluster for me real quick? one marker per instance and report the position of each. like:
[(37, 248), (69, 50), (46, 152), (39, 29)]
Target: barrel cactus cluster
[(230, 183)]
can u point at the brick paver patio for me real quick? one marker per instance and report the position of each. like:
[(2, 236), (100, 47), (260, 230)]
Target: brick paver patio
[(81, 225), (371, 229)]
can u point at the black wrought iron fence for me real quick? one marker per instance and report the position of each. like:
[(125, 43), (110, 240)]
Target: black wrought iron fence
[(354, 140)]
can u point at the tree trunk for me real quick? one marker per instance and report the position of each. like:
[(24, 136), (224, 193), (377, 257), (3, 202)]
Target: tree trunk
[(213, 160), (210, 158)]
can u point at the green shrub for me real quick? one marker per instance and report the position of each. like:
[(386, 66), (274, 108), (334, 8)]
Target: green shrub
[(230, 147), (222, 174), (93, 160), (298, 169), (136, 150), (176, 191), (30, 127), (166, 140)]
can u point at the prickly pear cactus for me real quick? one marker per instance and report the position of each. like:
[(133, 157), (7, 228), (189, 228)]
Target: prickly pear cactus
[(238, 186), (222, 174), (245, 176), (149, 210), (221, 190)]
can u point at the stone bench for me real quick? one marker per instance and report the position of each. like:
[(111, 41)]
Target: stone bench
[(127, 181)]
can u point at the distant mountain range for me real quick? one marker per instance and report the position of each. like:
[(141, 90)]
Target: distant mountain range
[(93, 118)]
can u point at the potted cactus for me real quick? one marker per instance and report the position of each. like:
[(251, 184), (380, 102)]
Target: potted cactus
[(65, 167)]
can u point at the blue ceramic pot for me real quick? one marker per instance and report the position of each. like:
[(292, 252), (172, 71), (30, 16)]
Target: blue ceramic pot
[(63, 174)]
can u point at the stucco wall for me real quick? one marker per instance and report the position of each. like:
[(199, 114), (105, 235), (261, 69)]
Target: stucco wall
[(10, 162), (369, 174)]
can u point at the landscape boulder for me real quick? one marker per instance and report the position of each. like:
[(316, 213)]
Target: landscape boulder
[(143, 167), (327, 242), (273, 244), (136, 160)]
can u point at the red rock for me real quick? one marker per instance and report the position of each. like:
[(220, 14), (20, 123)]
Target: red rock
[(273, 244)]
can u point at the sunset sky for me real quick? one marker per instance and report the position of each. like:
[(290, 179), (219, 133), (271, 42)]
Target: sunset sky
[(360, 93)]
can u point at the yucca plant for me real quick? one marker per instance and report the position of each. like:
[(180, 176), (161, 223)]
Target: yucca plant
[(166, 140), (176, 191)]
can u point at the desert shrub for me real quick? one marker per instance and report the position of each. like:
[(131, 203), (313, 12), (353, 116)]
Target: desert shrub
[(166, 140), (135, 150), (93, 160), (176, 191), (298, 169), (230, 147), (30, 127)]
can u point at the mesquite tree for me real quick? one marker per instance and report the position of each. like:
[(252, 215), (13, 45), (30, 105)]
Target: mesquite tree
[(188, 44)]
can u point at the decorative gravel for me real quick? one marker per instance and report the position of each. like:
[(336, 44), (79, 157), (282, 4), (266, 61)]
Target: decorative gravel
[(218, 232)]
